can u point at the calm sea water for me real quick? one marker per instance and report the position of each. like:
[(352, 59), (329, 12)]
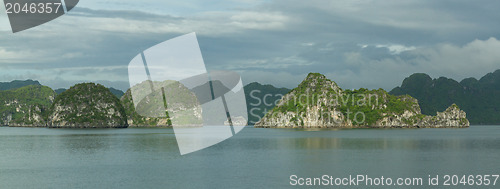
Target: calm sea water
[(254, 158)]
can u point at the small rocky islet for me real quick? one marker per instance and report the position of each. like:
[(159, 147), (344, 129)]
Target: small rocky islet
[(87, 105), (320, 103)]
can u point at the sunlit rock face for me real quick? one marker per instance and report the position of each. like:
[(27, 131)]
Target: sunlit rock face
[(320, 103)]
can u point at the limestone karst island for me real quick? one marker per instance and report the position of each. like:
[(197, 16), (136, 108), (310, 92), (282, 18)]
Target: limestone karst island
[(320, 103), (317, 102)]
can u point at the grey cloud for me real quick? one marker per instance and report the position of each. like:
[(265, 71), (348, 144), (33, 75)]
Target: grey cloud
[(279, 46), (125, 14)]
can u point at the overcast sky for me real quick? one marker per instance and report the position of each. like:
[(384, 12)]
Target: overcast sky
[(371, 44)]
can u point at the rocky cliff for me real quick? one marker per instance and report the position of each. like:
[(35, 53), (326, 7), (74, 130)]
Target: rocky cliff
[(321, 103), (451, 117), (87, 105), (26, 106)]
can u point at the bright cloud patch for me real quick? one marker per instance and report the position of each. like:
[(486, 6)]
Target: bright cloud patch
[(396, 49)]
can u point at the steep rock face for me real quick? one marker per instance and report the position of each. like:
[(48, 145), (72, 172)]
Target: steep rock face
[(319, 102), (304, 106), (183, 108), (87, 105), (34, 117), (451, 117), (26, 106)]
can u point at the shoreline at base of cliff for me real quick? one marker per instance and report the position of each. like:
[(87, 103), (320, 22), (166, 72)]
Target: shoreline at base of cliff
[(320, 103)]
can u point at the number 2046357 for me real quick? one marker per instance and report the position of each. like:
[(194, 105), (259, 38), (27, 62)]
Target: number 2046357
[(32, 8)]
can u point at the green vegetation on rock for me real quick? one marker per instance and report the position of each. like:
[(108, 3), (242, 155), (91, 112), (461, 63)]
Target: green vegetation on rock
[(369, 103), (87, 105), (118, 93), (60, 90), (320, 102), (26, 106)]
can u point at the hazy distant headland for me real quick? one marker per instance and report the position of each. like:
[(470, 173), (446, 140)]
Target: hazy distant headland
[(479, 98)]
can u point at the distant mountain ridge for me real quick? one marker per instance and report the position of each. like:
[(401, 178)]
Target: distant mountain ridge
[(17, 84), (22, 83), (261, 99), (479, 98)]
